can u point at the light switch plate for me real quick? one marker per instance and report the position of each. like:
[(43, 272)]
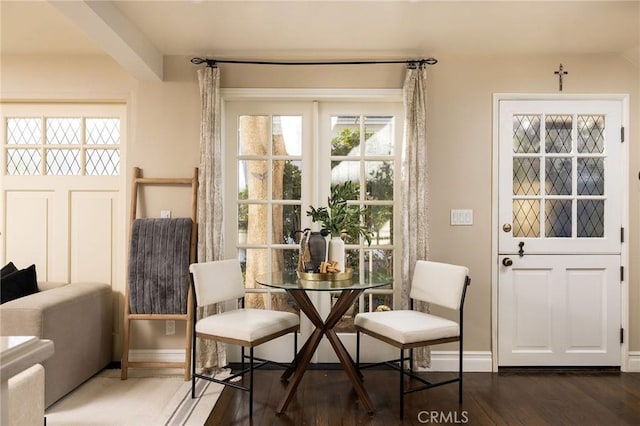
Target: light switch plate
[(462, 217)]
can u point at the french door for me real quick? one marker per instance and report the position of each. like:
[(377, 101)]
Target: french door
[(559, 239), (282, 157)]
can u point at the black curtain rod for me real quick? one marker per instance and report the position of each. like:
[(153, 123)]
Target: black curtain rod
[(410, 62)]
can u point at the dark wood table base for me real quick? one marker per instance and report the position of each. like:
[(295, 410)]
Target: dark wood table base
[(323, 328)]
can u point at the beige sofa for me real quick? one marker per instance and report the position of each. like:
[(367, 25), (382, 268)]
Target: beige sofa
[(78, 319)]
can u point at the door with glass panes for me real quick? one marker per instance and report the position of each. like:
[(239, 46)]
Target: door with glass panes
[(561, 218), (281, 158)]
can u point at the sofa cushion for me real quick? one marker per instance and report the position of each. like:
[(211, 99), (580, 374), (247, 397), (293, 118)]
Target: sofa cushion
[(18, 284), (7, 269)]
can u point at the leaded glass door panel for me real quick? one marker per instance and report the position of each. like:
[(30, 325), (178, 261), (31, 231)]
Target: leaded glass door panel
[(560, 172)]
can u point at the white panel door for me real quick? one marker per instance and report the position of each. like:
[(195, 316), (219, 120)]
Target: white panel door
[(560, 311), (560, 217)]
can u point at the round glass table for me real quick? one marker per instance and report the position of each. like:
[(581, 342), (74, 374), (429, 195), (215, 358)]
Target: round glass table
[(349, 290)]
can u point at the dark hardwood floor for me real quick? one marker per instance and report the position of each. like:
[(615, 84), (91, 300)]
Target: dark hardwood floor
[(325, 397)]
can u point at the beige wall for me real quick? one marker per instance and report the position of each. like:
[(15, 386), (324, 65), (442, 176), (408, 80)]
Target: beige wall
[(164, 127)]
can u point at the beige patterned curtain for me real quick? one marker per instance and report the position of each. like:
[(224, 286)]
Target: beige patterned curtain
[(211, 355), (415, 229)]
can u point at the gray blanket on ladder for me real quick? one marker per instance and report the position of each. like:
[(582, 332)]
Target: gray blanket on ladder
[(159, 266)]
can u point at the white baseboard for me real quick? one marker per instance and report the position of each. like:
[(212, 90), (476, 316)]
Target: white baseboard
[(474, 361), (156, 355), (634, 362)]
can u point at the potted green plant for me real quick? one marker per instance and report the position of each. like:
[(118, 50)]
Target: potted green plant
[(340, 219)]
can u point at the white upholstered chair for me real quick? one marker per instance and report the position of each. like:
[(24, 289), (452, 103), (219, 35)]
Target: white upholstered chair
[(435, 283), (222, 280)]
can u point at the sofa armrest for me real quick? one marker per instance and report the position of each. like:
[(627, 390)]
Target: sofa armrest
[(78, 318)]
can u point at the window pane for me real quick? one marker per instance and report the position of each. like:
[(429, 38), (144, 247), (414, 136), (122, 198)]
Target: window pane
[(288, 216), (558, 133), (380, 223), (63, 161), (377, 302), (24, 131), (284, 302), (590, 176), (289, 130), (254, 135), (345, 135), (526, 134), (380, 261), (257, 224), (526, 218), (63, 131), (343, 171), (558, 176), (102, 131), (285, 259), (379, 175), (252, 179), (103, 162), (24, 161), (558, 218), (526, 176), (590, 133), (590, 218), (378, 135), (287, 180)]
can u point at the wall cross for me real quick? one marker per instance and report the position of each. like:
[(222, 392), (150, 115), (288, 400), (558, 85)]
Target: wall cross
[(560, 73)]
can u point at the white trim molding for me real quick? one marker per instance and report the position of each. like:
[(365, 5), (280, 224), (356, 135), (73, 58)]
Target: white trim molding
[(634, 362), (472, 361), (156, 355)]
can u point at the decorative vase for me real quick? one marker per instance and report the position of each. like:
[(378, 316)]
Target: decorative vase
[(316, 249), (336, 252)]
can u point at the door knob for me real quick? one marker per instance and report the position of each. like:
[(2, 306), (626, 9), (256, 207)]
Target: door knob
[(506, 227), (507, 262)]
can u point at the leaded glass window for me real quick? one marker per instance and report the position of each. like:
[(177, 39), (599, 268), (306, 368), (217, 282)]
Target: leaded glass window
[(67, 146), (558, 175)]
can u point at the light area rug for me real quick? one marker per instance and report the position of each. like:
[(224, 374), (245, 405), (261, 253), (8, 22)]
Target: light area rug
[(147, 398)]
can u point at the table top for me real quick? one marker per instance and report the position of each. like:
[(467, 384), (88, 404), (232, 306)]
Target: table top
[(288, 280), (17, 353)]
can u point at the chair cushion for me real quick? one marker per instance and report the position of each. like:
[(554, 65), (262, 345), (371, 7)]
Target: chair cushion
[(407, 327), (247, 324)]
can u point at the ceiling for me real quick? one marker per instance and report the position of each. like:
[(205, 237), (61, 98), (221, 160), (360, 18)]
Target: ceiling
[(138, 34)]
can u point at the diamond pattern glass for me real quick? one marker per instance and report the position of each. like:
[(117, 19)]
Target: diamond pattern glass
[(526, 176), (526, 134), (558, 218), (558, 133), (103, 162), (557, 180), (590, 218), (63, 131), (526, 218), (102, 131), (590, 176), (63, 161), (24, 131), (24, 161), (591, 134)]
